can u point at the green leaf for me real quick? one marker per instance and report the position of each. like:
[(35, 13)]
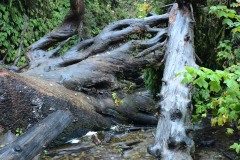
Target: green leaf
[(235, 146), (206, 94), (214, 77), (228, 21), (220, 121), (233, 115), (215, 86), (222, 110), (201, 82), (231, 15), (213, 9), (190, 69), (231, 83), (221, 14), (230, 131), (187, 78), (204, 115)]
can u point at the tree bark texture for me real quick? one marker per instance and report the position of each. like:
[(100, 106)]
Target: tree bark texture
[(24, 100), (83, 79), (28, 145), (106, 61), (172, 141)]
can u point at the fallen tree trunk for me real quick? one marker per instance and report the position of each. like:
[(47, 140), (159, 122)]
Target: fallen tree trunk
[(172, 141), (26, 100), (84, 78), (28, 145)]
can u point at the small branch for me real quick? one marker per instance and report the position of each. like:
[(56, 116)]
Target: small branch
[(199, 59), (73, 51), (55, 51), (192, 15), (21, 42), (17, 69), (162, 61), (4, 58), (168, 5), (148, 50)]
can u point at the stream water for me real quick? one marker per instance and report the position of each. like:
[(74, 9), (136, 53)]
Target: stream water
[(211, 144), (130, 143)]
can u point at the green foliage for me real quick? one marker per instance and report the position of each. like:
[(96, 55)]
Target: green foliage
[(39, 22), (228, 54), (116, 99), (230, 16), (210, 30), (143, 9), (236, 147), (100, 13), (152, 78), (216, 92), (19, 131), (228, 50)]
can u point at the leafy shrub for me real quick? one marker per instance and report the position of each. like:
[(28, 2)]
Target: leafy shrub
[(218, 92), (43, 16), (39, 22)]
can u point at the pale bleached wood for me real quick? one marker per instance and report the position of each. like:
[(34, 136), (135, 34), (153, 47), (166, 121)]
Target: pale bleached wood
[(172, 141)]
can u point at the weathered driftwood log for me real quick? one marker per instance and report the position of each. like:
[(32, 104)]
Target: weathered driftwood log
[(172, 141), (32, 142)]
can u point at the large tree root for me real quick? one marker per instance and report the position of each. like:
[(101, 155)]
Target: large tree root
[(105, 60)]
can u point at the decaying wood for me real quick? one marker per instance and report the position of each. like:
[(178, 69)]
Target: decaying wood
[(83, 79), (26, 100), (172, 141), (105, 61), (28, 145)]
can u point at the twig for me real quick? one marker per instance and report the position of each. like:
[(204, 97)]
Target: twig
[(55, 51), (148, 50), (168, 5), (17, 69), (21, 42), (191, 8), (227, 156), (199, 59), (4, 58)]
